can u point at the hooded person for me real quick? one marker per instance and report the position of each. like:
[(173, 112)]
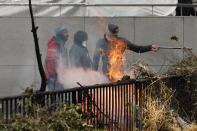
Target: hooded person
[(78, 54), (110, 39), (56, 51)]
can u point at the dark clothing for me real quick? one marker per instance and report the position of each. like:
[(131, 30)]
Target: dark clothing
[(79, 56), (54, 84), (54, 52), (112, 28), (80, 36), (102, 49), (185, 1)]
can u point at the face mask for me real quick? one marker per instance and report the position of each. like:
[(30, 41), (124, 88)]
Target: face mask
[(65, 38), (84, 43), (62, 37)]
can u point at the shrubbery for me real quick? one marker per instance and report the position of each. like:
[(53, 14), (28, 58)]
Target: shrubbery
[(63, 119)]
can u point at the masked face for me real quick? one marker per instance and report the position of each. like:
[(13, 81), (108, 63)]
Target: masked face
[(65, 36), (84, 43), (62, 37)]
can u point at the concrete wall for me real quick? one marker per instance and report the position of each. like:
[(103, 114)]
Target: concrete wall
[(18, 66)]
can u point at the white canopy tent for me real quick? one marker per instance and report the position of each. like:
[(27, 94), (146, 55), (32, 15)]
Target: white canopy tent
[(91, 8)]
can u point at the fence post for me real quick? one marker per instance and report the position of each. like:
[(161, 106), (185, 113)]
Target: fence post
[(6, 109), (80, 95), (74, 97), (2, 108), (138, 105)]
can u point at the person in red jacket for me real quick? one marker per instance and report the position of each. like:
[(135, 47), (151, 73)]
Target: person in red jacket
[(55, 51)]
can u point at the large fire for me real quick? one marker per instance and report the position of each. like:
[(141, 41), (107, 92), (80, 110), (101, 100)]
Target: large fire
[(116, 59), (115, 55)]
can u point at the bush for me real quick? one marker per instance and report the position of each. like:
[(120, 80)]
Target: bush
[(63, 119)]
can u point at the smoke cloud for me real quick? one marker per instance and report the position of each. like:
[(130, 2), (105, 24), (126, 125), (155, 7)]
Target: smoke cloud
[(70, 76)]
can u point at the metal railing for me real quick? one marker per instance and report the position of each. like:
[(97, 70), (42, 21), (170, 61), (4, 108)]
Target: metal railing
[(88, 4), (180, 6), (117, 106)]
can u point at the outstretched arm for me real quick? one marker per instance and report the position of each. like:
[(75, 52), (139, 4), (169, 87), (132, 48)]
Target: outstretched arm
[(138, 48)]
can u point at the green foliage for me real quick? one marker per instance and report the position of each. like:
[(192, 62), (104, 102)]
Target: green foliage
[(29, 106), (67, 118), (29, 90), (57, 117), (54, 118)]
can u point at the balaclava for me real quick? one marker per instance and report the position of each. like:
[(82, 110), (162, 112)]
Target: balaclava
[(59, 32), (80, 38)]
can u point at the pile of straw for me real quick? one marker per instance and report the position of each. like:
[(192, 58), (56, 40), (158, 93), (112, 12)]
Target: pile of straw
[(170, 109)]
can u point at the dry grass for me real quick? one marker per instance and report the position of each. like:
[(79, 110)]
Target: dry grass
[(156, 118), (157, 115), (157, 112), (185, 67), (186, 106), (191, 127)]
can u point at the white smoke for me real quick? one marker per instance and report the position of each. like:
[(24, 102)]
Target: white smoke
[(70, 76)]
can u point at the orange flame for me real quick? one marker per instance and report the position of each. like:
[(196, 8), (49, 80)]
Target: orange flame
[(116, 59), (115, 55)]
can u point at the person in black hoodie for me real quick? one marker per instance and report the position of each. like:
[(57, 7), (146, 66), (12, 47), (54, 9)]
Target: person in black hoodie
[(103, 47), (78, 54)]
